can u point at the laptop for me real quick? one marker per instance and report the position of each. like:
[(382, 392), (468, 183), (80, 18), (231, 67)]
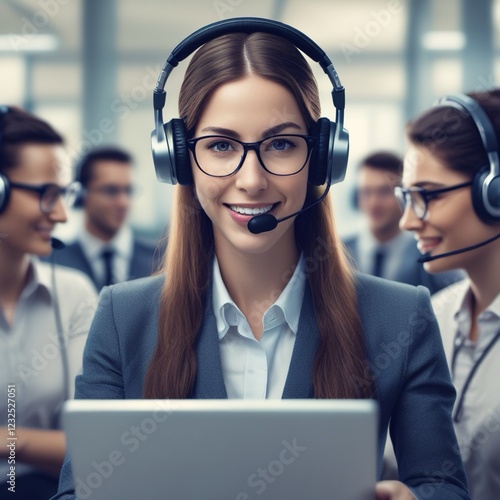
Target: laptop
[(222, 449)]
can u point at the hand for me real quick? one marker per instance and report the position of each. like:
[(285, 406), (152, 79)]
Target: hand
[(4, 451), (392, 490)]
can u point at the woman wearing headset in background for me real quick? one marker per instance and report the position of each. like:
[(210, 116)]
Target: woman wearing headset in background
[(285, 298), (35, 375), (445, 169)]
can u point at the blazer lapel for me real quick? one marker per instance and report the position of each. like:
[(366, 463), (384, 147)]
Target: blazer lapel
[(209, 379), (298, 384)]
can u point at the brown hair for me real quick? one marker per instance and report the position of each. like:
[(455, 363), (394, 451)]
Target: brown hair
[(17, 128), (452, 136), (383, 160), (340, 369)]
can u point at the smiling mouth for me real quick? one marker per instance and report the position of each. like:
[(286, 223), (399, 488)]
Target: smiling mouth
[(252, 210)]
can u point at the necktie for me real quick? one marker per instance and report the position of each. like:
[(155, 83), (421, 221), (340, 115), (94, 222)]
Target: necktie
[(378, 262), (107, 257)]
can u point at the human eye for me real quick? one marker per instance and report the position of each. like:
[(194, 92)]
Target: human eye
[(220, 145), (279, 144)]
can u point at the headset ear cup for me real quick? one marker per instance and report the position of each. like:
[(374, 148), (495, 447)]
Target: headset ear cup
[(79, 200), (4, 192), (477, 195), (181, 153), (318, 163)]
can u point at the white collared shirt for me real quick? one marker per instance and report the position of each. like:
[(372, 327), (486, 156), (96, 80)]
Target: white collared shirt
[(122, 246), (30, 355), (478, 431), (254, 369)]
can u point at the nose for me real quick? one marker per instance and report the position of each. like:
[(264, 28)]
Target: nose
[(123, 199), (409, 221), (251, 177), (58, 212)]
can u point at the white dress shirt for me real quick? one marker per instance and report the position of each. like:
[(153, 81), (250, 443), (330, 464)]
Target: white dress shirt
[(122, 246), (478, 430), (30, 354), (254, 369)]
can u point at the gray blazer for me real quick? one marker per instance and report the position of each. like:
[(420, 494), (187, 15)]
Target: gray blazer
[(403, 347), (411, 271)]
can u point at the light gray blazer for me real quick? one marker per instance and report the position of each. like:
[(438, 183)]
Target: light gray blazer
[(403, 347)]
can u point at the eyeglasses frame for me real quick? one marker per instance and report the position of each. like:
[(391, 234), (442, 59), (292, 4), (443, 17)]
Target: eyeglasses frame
[(41, 189), (253, 146), (427, 195)]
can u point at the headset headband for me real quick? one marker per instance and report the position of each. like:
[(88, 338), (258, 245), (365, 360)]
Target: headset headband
[(250, 25), (483, 125), (168, 140)]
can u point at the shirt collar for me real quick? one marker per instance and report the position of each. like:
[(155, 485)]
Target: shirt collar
[(121, 244), (288, 304), (39, 278), (464, 304)]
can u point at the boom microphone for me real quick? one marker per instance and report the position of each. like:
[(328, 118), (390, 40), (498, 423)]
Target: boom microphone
[(56, 244), (427, 257), (267, 222)]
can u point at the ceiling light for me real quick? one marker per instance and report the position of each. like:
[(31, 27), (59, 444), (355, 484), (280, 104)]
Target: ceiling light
[(15, 42), (443, 40)]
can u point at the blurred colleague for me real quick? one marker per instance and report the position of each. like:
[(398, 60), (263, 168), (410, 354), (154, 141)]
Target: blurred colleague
[(381, 248), (106, 248), (45, 311), (452, 197)]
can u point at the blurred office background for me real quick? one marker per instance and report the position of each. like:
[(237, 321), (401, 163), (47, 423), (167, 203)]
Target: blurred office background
[(89, 68)]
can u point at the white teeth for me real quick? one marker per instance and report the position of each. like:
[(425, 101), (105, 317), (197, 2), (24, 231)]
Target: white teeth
[(250, 211)]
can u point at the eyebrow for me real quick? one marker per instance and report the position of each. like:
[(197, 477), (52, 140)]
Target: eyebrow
[(429, 184), (277, 129)]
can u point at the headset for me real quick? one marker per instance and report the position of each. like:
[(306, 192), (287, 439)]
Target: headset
[(485, 190), (486, 183), (171, 158), (4, 182)]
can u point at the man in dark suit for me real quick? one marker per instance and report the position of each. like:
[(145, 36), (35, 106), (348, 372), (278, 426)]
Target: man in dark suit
[(106, 248), (381, 248)]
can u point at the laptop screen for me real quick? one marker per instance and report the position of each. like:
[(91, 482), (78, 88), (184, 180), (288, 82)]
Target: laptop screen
[(222, 449)]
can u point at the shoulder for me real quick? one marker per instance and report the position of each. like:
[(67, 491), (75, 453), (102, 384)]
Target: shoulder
[(133, 295), (386, 305), (377, 290), (68, 280)]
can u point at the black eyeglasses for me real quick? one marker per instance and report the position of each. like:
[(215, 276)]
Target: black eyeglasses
[(112, 191), (50, 193), (418, 198), (221, 156)]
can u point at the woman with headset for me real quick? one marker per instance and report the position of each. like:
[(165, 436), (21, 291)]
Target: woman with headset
[(44, 312), (256, 298), (451, 197)]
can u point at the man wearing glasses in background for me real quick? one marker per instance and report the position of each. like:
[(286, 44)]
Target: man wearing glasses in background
[(380, 247), (106, 248)]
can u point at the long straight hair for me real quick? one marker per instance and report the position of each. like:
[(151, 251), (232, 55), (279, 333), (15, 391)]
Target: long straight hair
[(340, 368)]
